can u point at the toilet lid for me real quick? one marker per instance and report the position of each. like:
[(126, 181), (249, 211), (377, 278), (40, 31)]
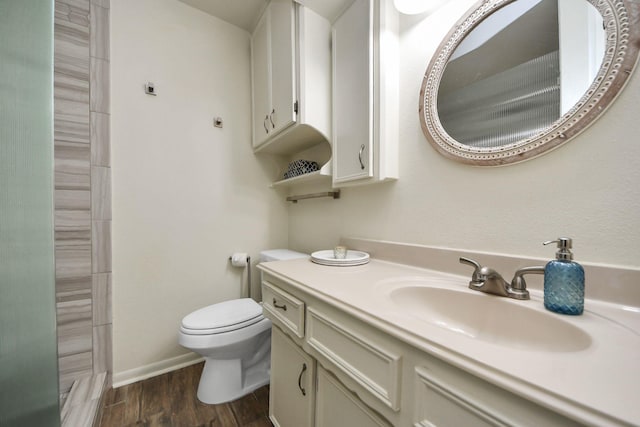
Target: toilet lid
[(223, 317)]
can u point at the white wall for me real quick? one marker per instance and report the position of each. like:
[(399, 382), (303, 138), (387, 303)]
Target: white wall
[(185, 194), (587, 189)]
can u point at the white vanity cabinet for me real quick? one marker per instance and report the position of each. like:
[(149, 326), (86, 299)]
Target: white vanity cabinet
[(338, 406), (331, 368), (449, 397), (291, 79), (365, 94), (292, 389), (308, 373), (303, 393)]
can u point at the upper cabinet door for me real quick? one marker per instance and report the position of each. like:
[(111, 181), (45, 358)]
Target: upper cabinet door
[(260, 79), (283, 83), (353, 93), (365, 94), (291, 67), (273, 71)]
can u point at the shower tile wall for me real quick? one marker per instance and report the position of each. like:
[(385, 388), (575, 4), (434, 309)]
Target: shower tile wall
[(82, 188)]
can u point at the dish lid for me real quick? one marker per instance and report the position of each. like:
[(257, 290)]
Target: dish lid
[(223, 315)]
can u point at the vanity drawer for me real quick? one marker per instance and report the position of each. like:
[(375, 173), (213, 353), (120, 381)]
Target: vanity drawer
[(284, 307)]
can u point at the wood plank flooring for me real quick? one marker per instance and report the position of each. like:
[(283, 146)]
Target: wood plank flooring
[(170, 400)]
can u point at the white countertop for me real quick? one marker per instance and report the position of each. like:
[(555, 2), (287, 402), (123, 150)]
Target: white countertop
[(598, 385)]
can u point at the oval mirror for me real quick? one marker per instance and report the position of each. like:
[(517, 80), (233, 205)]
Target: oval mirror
[(516, 78)]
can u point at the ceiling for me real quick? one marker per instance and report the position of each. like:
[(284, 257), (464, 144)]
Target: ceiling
[(245, 13)]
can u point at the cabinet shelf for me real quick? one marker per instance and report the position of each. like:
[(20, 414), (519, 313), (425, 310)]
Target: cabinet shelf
[(322, 175), (296, 138)]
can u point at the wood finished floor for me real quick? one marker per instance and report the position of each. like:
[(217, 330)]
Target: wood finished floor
[(170, 400)]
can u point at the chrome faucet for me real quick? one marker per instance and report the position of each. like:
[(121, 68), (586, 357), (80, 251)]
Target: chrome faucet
[(485, 279)]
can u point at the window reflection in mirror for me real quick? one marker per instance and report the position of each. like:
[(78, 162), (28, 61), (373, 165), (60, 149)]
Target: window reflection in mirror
[(519, 70)]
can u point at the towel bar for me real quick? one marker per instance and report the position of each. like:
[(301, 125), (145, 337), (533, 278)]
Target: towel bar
[(333, 194)]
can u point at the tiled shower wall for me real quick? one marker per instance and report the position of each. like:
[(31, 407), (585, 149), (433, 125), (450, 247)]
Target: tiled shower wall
[(82, 188)]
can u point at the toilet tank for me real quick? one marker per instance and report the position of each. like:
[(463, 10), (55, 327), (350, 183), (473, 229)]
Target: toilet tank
[(280, 255)]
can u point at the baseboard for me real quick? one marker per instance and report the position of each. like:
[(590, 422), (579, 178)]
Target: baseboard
[(154, 369)]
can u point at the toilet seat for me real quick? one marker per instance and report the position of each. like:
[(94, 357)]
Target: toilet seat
[(223, 317)]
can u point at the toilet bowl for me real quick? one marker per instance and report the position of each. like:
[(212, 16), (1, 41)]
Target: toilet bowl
[(235, 340)]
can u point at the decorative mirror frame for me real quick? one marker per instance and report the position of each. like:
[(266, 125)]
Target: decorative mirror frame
[(622, 25)]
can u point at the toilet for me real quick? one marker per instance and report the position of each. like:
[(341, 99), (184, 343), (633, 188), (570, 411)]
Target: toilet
[(235, 340)]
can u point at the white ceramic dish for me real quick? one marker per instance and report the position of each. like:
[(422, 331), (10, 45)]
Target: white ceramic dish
[(327, 258)]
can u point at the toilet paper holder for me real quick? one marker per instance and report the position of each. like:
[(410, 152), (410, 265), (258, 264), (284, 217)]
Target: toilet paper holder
[(240, 259)]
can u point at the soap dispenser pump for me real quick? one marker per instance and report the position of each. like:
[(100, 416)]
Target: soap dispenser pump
[(563, 281)]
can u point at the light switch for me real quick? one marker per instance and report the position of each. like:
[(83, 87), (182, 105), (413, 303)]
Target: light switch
[(150, 89)]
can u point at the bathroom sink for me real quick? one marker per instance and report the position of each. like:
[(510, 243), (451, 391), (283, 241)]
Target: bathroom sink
[(489, 318)]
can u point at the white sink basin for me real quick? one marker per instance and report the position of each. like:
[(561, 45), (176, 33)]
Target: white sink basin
[(489, 318)]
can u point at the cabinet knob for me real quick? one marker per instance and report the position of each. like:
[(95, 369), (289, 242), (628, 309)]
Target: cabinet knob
[(264, 123), (362, 147)]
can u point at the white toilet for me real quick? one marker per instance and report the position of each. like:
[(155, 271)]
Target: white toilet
[(235, 340)]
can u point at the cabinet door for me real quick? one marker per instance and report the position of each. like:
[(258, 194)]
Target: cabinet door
[(283, 83), (353, 93), (292, 390), (261, 79), (336, 406), (449, 397)]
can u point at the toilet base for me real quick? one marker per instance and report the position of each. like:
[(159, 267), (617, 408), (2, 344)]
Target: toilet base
[(223, 380)]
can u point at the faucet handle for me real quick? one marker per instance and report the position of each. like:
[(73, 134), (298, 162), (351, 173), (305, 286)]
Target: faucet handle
[(475, 278), (518, 284)]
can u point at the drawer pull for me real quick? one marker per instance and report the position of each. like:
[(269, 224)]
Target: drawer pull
[(304, 368), (281, 307)]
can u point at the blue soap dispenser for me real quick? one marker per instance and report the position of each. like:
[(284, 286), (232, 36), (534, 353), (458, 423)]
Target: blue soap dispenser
[(563, 281)]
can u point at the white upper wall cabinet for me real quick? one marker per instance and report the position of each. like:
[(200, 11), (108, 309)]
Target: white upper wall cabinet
[(273, 68), (283, 62), (291, 79), (261, 78), (365, 94)]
